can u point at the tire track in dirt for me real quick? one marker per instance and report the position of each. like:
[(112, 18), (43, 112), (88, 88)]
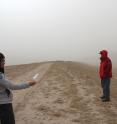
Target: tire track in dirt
[(102, 113), (84, 102), (21, 98)]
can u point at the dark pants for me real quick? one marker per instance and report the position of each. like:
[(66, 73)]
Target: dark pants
[(106, 87), (6, 114)]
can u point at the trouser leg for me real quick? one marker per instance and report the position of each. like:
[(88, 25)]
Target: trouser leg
[(102, 85), (107, 88), (7, 114)]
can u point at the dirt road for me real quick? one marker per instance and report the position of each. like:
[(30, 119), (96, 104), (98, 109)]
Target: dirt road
[(68, 93)]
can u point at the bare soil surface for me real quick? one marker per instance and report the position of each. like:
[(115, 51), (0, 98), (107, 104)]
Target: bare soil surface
[(65, 93)]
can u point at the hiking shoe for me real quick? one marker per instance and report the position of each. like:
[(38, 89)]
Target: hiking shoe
[(105, 100), (102, 97)]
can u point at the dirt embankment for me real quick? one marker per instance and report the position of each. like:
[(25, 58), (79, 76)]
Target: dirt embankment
[(66, 93)]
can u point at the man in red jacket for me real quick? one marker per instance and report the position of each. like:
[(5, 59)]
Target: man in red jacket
[(105, 72)]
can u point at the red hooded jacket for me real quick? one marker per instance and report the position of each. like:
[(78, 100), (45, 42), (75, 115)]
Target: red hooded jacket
[(105, 69)]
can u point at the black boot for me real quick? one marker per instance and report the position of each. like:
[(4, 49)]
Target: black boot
[(106, 100), (102, 97)]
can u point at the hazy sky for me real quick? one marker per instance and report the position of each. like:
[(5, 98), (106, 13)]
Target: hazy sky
[(40, 30)]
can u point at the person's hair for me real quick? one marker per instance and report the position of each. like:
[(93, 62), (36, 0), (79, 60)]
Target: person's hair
[(2, 57)]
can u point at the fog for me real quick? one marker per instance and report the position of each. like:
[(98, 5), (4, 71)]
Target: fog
[(47, 30)]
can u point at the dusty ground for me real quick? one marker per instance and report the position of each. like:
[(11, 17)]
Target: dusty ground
[(66, 93)]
